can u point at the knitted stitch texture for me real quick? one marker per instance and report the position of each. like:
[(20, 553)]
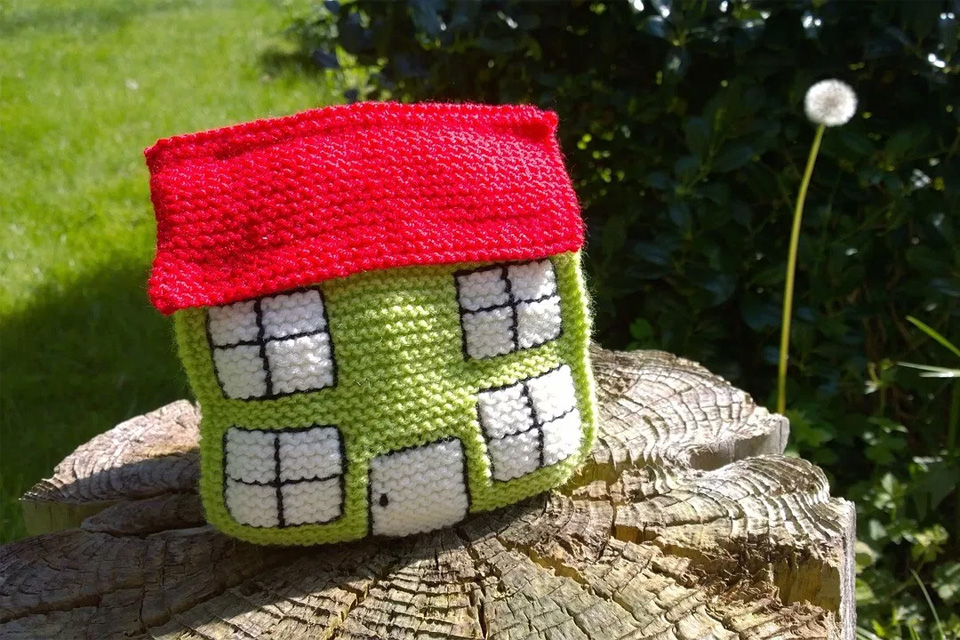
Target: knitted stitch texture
[(404, 389), (284, 203)]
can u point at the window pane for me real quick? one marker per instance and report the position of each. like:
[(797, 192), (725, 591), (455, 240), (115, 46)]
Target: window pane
[(553, 394), (313, 502), (250, 456), (290, 314), (252, 504), (505, 411), (240, 371), (538, 322), (515, 456), (488, 333), (532, 280), (482, 289), (233, 324), (300, 364), (311, 453), (561, 437)]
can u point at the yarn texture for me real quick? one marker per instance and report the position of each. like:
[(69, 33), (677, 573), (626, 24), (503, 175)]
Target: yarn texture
[(279, 204), (381, 311)]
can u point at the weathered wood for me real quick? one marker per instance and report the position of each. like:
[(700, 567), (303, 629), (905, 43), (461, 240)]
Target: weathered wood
[(686, 522), (147, 456)]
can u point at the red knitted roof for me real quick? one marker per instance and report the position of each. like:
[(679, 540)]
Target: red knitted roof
[(276, 204)]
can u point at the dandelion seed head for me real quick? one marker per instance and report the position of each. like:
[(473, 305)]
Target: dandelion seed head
[(830, 103)]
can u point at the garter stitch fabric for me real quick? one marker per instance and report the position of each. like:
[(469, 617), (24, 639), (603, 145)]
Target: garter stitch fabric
[(381, 311)]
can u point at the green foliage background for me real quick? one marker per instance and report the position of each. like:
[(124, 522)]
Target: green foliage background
[(684, 130)]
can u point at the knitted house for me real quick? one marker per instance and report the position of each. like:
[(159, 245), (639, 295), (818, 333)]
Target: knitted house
[(381, 312)]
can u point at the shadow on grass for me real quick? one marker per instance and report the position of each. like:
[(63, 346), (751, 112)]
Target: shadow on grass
[(288, 59), (277, 61), (83, 357)]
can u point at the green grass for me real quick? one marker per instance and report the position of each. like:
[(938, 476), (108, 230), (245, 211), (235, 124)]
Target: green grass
[(85, 86)]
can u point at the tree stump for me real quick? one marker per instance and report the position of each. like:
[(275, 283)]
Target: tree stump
[(686, 522)]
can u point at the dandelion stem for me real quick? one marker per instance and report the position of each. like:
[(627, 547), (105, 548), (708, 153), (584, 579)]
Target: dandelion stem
[(791, 271)]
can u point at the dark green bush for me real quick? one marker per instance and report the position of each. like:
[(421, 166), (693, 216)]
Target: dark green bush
[(684, 130)]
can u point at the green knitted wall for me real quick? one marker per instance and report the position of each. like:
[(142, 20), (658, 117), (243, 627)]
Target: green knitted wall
[(402, 381)]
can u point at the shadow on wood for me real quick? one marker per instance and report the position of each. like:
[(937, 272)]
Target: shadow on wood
[(686, 522)]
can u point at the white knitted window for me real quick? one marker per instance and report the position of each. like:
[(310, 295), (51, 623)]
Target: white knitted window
[(531, 424), (504, 308), (283, 478), (273, 346)]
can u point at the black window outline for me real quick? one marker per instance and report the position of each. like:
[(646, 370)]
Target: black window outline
[(512, 303), (261, 342), (278, 484), (466, 477), (538, 423)]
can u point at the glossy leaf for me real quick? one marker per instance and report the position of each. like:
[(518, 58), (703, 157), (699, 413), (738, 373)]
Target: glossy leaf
[(732, 158), (325, 59), (697, 134)]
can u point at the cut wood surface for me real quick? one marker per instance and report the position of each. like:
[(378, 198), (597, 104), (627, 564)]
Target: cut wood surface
[(686, 522)]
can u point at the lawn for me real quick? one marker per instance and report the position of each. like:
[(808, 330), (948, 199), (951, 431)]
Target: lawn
[(84, 88)]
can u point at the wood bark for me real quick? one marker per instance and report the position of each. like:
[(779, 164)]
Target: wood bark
[(686, 522)]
